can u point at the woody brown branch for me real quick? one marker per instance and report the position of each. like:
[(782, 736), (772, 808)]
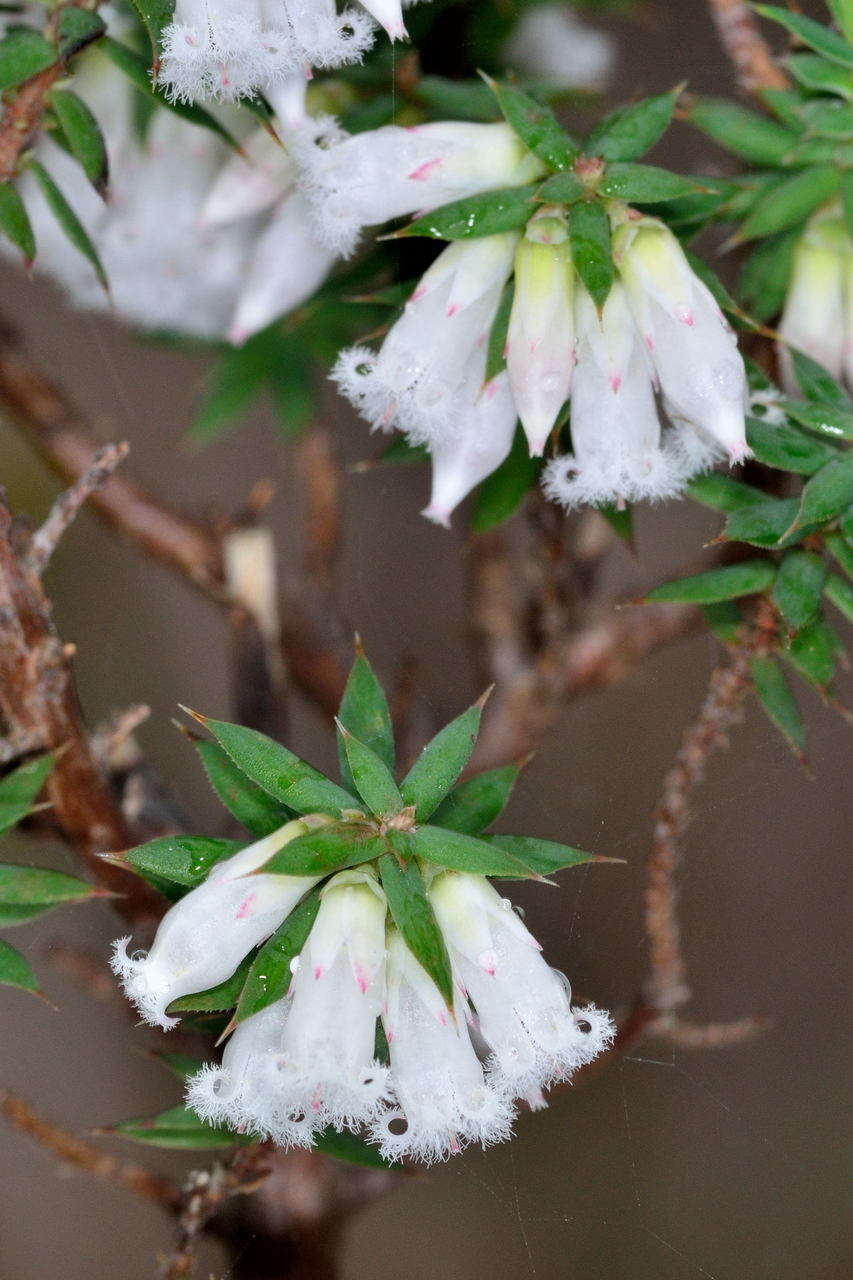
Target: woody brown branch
[(22, 118), (740, 36)]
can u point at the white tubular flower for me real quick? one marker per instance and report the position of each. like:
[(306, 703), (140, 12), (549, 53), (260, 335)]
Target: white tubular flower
[(308, 1061), (551, 43), (287, 265), (815, 308), (523, 1007), (419, 380), (227, 49), (693, 349), (367, 179), (480, 440), (205, 935), (250, 183), (540, 340), (445, 1101), (616, 432)]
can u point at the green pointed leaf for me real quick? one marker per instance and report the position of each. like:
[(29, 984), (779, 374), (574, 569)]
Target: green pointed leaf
[(728, 583), (237, 379), (495, 358), (841, 549), (330, 848), (373, 779), (536, 125), (827, 492), (413, 915), (847, 200), (723, 493), (798, 587), (841, 595), (181, 1065), (630, 131), (183, 860), (460, 852), (644, 184), (179, 1129), (253, 807), (751, 136), (843, 12), (77, 28), (458, 99), (71, 225), (270, 973), (786, 447), (766, 274), (822, 39), (15, 970), (475, 804), (778, 702), (829, 119), (819, 75), (155, 15), (561, 188), (23, 54), (824, 418), (282, 774), (350, 1148), (28, 891), (791, 202), (542, 857), (814, 651), (817, 383), (83, 135), (364, 711), (766, 524), (589, 236), (440, 763), (501, 493), (15, 222), (19, 790), (483, 215)]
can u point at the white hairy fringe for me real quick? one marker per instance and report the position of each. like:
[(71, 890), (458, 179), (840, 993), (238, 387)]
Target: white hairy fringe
[(551, 1068), (141, 991), (432, 1144)]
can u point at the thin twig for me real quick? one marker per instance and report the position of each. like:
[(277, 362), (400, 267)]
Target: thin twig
[(77, 1154), (46, 539), (205, 1192), (747, 49), (666, 986)]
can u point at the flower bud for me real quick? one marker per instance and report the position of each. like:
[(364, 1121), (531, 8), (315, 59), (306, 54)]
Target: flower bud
[(540, 340), (814, 319)]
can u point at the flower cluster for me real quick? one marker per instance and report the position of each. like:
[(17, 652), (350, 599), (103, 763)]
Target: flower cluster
[(395, 991), (228, 49), (818, 314)]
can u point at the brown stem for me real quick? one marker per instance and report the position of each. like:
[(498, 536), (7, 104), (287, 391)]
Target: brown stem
[(46, 539), (22, 118), (666, 987), (747, 49)]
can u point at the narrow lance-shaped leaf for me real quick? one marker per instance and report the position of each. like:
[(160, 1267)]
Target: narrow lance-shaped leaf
[(15, 971), (817, 383), (630, 131), (838, 546), (778, 702), (495, 352), (26, 892), (798, 587), (826, 493), (441, 762), (766, 523), (413, 915), (814, 651), (216, 999), (749, 135), (364, 711), (183, 860), (561, 188), (723, 493), (718, 584), (155, 15), (824, 418), (270, 973), (589, 236), (248, 802), (488, 214), (840, 593), (77, 28), (543, 857), (373, 779), (460, 852), (15, 222), (73, 228), (474, 804), (820, 38), (20, 788), (787, 447), (330, 848), (23, 54), (180, 1129), (83, 136), (536, 125), (350, 1148), (790, 203), (645, 183)]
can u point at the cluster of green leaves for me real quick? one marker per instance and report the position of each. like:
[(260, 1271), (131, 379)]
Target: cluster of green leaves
[(801, 542), (800, 155), (27, 892), (406, 829)]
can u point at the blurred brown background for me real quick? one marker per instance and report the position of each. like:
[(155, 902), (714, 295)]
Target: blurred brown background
[(663, 1166)]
